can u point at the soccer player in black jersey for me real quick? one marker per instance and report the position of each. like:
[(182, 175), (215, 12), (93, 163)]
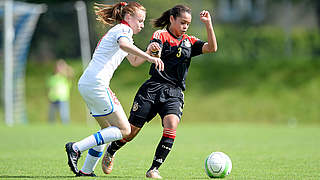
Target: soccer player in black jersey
[(162, 93)]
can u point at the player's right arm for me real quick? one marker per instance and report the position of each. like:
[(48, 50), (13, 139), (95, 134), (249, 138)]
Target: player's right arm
[(154, 48), (137, 56)]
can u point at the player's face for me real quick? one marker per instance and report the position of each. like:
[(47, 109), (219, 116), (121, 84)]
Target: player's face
[(136, 21), (181, 24)]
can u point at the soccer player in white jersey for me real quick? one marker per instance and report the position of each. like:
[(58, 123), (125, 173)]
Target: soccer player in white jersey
[(93, 85)]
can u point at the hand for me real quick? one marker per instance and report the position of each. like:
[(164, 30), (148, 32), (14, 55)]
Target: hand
[(157, 61), (205, 17), (154, 49)]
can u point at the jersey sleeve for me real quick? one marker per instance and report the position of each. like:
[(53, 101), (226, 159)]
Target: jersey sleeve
[(157, 37), (197, 44), (124, 32)]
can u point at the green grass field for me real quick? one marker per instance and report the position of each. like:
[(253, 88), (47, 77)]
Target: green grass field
[(257, 151), (277, 93)]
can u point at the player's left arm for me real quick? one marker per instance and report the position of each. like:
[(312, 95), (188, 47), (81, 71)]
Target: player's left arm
[(153, 49), (211, 45), (137, 61)]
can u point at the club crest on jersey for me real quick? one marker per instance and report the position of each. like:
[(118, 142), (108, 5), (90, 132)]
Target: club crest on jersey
[(187, 43), (135, 106)]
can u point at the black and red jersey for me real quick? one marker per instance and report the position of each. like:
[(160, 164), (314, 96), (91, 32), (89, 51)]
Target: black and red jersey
[(176, 55)]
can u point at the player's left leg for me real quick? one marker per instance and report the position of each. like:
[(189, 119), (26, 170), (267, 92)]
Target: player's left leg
[(170, 124), (95, 153), (170, 111), (108, 158), (114, 126)]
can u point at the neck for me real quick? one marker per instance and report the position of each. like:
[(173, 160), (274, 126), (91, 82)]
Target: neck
[(125, 22), (173, 33)]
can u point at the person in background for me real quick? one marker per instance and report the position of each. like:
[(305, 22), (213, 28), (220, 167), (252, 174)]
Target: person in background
[(59, 92)]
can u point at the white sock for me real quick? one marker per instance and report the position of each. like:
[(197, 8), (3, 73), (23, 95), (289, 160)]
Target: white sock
[(103, 136), (92, 159)]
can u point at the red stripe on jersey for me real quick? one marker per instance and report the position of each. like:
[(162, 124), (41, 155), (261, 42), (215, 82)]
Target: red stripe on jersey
[(158, 35), (165, 36), (170, 133), (172, 40), (124, 140), (101, 40), (114, 97), (125, 22), (192, 39)]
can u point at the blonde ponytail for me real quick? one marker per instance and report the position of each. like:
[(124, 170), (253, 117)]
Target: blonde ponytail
[(113, 14)]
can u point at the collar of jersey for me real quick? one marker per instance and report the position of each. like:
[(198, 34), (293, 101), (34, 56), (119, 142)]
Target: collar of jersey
[(125, 22), (178, 38)]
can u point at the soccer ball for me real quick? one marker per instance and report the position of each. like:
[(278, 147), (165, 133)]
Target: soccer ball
[(217, 165)]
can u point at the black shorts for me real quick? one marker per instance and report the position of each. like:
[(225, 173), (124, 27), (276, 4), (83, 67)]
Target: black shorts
[(154, 97)]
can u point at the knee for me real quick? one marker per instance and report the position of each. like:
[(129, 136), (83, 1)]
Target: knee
[(133, 132), (171, 125), (129, 137), (171, 122), (126, 132)]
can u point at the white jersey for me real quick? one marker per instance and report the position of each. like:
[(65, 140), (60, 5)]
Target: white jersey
[(107, 57)]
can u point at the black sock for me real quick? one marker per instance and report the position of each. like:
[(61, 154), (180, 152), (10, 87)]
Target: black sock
[(162, 151), (116, 145)]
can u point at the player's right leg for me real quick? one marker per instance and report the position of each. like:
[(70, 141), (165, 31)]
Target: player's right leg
[(142, 111)]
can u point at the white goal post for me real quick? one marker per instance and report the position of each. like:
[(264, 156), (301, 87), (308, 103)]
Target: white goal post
[(20, 20)]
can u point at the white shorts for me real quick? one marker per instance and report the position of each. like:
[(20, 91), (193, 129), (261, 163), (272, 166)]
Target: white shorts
[(100, 100)]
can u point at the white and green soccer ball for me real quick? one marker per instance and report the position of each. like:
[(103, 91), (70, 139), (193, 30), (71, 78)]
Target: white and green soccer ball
[(217, 165)]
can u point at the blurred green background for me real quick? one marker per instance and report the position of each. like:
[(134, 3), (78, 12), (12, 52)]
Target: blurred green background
[(266, 69)]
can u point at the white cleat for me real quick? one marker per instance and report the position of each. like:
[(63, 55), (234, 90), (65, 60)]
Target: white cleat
[(154, 174), (107, 163)]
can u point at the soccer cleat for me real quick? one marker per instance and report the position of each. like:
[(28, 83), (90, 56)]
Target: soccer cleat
[(85, 174), (73, 157), (107, 162), (153, 173)]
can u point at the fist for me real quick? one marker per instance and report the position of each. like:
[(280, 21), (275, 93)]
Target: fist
[(155, 49), (205, 16), (155, 53)]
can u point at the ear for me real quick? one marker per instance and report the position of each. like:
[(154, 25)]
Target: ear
[(171, 19), (127, 17)]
